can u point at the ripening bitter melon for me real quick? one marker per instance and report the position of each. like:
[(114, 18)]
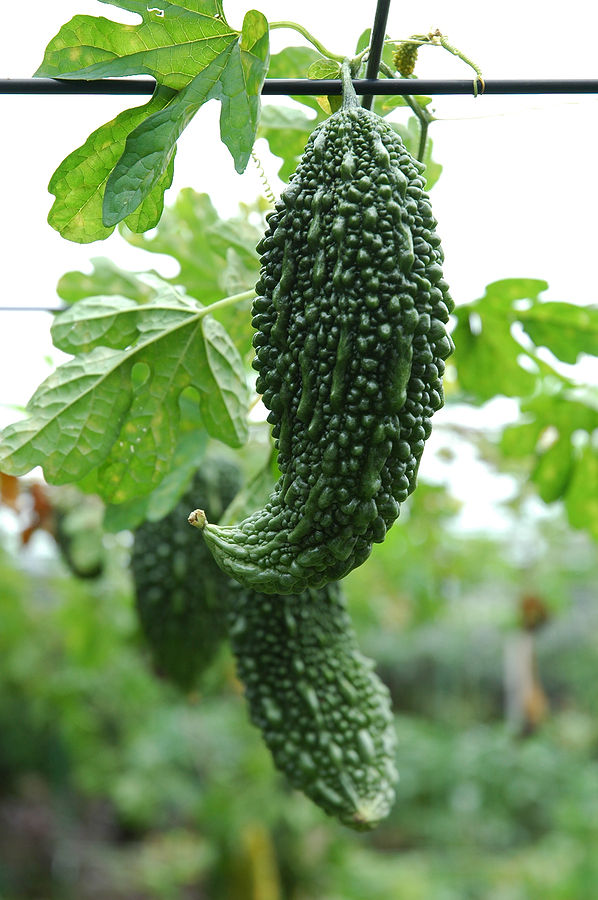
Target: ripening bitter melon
[(181, 594), (351, 340), (323, 712), (405, 56)]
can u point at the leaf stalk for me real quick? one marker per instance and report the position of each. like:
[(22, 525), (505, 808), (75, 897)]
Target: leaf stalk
[(308, 36)]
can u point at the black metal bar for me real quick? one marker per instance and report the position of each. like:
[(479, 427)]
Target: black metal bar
[(304, 86), (129, 86), (376, 47)]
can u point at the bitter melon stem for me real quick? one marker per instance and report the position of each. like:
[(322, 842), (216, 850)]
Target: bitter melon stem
[(349, 95)]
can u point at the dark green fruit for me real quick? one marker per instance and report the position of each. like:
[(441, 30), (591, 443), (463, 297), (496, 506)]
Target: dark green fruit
[(351, 340), (324, 714), (181, 594)]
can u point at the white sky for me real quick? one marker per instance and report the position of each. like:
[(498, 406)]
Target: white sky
[(518, 195)]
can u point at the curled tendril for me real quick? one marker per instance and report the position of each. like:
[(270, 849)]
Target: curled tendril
[(268, 192)]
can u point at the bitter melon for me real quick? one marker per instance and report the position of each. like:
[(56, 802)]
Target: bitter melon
[(405, 56), (181, 594), (351, 340), (324, 714)]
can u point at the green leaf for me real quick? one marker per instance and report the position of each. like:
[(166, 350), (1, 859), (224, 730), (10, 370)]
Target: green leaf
[(123, 169), (109, 321), (79, 182), (162, 500), (324, 68), (172, 47), (364, 41), (566, 330), (487, 356), (293, 62), (581, 501), (558, 468), (106, 278), (100, 408), (217, 257), (255, 494), (287, 131), (390, 103), (234, 77), (75, 417)]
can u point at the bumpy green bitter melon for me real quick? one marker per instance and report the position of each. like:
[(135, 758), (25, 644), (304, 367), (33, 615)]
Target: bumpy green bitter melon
[(405, 56), (351, 340), (323, 712), (181, 594)]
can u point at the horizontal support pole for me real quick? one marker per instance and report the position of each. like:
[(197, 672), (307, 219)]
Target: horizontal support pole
[(305, 86)]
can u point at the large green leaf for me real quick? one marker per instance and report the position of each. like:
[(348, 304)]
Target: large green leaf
[(101, 409), (124, 167), (293, 62), (234, 77), (217, 257), (549, 437), (173, 43), (163, 499), (79, 182), (566, 330), (581, 500), (487, 356), (106, 278), (287, 129)]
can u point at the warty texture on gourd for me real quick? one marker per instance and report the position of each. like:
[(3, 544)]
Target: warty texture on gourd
[(180, 592), (322, 710), (351, 340)]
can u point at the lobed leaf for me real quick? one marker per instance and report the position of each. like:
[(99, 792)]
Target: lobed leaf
[(560, 470), (75, 416), (124, 167), (188, 454), (97, 410), (79, 182), (106, 278), (566, 330), (581, 500), (487, 356), (287, 131), (234, 77), (173, 42)]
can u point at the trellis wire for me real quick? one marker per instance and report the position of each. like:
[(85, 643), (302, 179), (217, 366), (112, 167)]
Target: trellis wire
[(306, 87)]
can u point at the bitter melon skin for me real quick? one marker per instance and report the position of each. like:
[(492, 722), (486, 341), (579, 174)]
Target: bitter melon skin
[(181, 594), (405, 57), (351, 340), (323, 712)]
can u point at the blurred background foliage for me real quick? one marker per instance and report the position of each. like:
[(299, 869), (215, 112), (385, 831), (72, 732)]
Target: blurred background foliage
[(115, 785)]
